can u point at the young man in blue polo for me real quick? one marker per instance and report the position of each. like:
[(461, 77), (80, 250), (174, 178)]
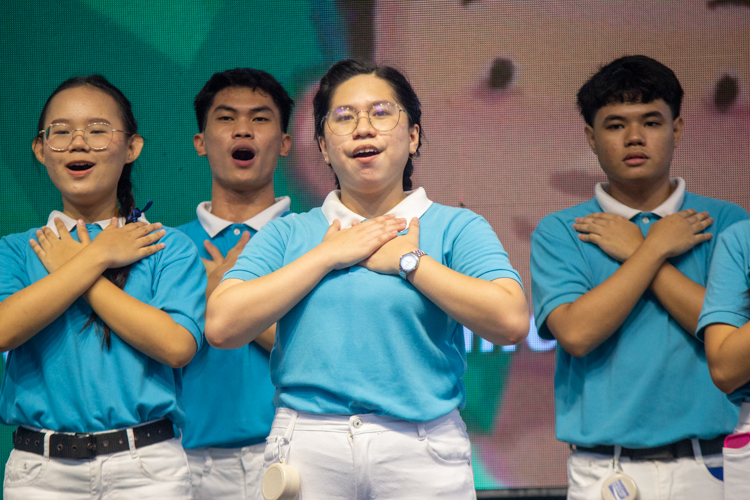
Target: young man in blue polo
[(243, 115), (619, 281)]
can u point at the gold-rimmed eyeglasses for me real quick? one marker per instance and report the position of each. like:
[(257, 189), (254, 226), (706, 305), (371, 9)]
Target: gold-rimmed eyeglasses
[(383, 116), (98, 136)]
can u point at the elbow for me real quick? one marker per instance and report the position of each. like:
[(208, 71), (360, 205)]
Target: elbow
[(578, 348), (180, 355), (724, 380), (517, 330)]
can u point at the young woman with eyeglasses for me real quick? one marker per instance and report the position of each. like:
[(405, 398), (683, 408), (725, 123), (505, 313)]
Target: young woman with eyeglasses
[(97, 315), (369, 345)]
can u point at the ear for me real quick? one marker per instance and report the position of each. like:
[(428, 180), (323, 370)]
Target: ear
[(135, 145), (37, 145), (678, 125), (323, 149), (589, 131), (413, 139), (200, 144), (286, 144)]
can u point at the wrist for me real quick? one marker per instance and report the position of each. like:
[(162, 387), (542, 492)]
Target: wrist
[(653, 250)]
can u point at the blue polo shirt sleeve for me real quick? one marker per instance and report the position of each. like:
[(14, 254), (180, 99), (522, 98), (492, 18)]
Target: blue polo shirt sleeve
[(13, 275), (727, 298), (179, 284), (477, 252), (264, 253), (559, 273)]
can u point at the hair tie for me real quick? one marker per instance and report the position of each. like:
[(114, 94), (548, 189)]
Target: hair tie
[(136, 214)]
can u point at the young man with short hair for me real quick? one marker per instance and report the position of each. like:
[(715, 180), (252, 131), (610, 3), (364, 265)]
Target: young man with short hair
[(243, 115), (619, 281)]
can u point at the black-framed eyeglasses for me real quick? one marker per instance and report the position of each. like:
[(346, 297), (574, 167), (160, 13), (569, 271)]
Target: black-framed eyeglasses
[(98, 136), (383, 116)]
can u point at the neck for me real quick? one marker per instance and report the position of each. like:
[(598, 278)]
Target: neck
[(645, 196), (91, 213), (370, 206), (239, 206)]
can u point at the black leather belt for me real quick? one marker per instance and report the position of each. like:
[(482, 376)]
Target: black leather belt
[(679, 449), (90, 445)]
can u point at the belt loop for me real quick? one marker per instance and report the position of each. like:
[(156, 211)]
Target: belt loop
[(421, 432), (131, 442), (47, 435), (616, 459), (290, 427), (697, 451)]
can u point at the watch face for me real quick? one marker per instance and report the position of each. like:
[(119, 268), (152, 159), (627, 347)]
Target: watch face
[(409, 262)]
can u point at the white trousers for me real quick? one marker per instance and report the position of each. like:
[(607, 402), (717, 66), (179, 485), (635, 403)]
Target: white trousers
[(227, 473), (737, 462), (155, 472), (367, 457), (685, 478)]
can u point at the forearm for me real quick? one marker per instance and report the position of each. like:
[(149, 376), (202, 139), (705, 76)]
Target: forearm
[(238, 312), (727, 353), (680, 296), (267, 338), (495, 310), (28, 311), (145, 328), (581, 326)]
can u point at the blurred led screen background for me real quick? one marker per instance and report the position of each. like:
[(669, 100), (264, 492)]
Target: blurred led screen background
[(497, 80)]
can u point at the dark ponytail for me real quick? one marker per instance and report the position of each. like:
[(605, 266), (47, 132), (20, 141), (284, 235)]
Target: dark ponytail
[(125, 199)]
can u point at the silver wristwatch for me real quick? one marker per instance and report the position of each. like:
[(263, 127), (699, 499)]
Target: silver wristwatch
[(409, 262)]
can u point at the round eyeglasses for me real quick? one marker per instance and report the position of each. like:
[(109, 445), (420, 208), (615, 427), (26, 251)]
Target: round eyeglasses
[(383, 117), (98, 136)]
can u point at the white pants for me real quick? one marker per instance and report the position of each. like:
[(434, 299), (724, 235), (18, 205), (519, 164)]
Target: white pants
[(227, 473), (367, 457), (158, 471), (737, 462), (685, 478)]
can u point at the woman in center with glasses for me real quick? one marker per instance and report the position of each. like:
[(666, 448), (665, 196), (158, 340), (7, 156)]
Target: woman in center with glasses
[(369, 345)]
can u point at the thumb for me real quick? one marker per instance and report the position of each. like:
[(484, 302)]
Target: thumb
[(214, 252), (334, 228), (237, 249), (413, 233), (114, 223), (83, 233)]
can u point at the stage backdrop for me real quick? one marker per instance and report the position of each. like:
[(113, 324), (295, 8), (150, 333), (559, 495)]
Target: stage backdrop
[(497, 81)]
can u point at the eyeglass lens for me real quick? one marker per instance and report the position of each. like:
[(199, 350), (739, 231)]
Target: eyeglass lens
[(97, 135), (383, 117)]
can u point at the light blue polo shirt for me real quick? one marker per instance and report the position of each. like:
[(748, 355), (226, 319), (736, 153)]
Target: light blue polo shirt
[(648, 384), (62, 378), (363, 342), (728, 291), (228, 394)]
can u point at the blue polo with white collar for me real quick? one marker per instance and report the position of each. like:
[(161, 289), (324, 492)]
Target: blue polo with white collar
[(62, 379), (228, 394), (728, 291), (363, 342), (648, 384)]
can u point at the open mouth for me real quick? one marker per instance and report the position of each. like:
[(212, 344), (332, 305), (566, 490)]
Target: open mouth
[(366, 153), (243, 154), (79, 166)]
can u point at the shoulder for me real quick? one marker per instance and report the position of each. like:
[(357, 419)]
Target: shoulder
[(177, 243), (738, 233), (190, 227), (448, 216), (724, 213), (294, 221), (18, 242)]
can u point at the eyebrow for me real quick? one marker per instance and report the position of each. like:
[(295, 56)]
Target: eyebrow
[(89, 122), (259, 109), (375, 103), (650, 114)]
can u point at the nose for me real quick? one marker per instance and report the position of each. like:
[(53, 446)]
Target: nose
[(364, 127), (78, 141), (242, 128), (635, 136)]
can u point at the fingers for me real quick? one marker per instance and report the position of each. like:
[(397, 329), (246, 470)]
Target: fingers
[(61, 229), (688, 212), (114, 223), (37, 249), (413, 233), (153, 237), (83, 233), (334, 228), (150, 250), (241, 244), (700, 238), (214, 252)]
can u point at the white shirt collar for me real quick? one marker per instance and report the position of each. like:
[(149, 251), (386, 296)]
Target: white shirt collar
[(415, 204), (70, 223), (213, 225), (670, 206)]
